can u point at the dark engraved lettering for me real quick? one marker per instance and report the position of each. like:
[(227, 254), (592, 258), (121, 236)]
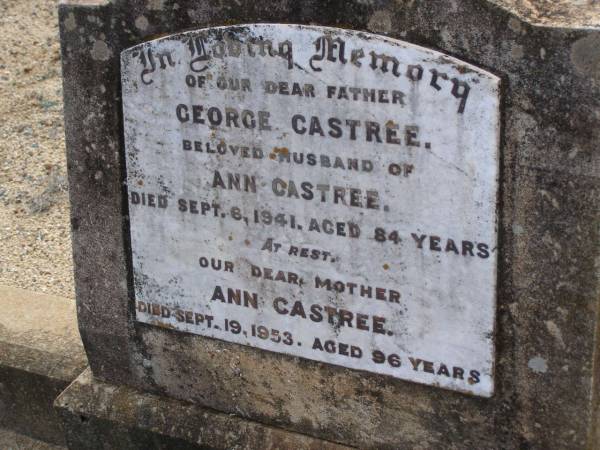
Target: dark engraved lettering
[(148, 61), (385, 60), (198, 53), (326, 47), (434, 79), (414, 72), (460, 89)]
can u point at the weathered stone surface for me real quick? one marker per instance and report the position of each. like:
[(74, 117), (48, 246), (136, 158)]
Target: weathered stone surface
[(40, 354), (98, 415), (547, 328)]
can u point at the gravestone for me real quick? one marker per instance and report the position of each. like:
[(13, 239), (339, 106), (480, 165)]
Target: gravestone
[(250, 205), (370, 223)]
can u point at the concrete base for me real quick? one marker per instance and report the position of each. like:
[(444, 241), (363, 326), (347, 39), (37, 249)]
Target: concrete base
[(98, 415), (11, 440), (40, 354)]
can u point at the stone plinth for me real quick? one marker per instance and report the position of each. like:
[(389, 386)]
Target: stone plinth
[(40, 355), (98, 415)]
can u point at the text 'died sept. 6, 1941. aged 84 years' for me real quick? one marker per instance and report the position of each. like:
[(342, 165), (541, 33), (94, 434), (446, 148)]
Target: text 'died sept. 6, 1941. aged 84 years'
[(317, 192)]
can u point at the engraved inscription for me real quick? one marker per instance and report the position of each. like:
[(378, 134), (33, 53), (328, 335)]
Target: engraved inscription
[(317, 192)]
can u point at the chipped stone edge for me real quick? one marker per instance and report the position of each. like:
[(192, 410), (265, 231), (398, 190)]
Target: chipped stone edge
[(84, 3), (569, 21)]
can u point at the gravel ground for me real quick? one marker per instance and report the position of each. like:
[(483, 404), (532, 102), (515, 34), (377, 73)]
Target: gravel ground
[(35, 245)]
